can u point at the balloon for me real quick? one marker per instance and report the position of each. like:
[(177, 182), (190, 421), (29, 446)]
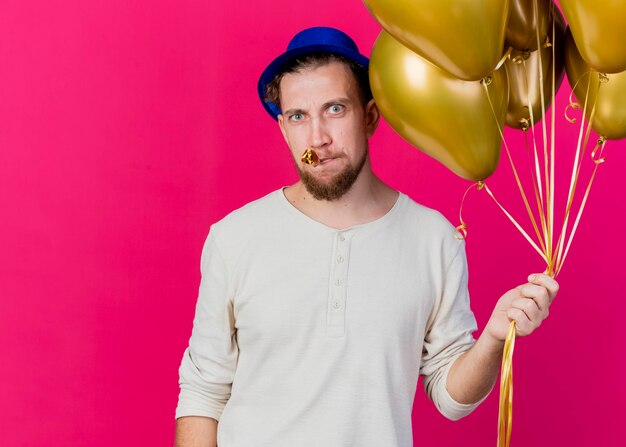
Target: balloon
[(609, 118), (464, 38), (521, 29), (599, 30), (447, 118), (524, 77)]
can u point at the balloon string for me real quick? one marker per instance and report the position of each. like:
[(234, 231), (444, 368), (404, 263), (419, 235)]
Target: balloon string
[(462, 228), (576, 166), (580, 151), (537, 187), (506, 56), (517, 225), (517, 179), (536, 178), (548, 175), (575, 105), (536, 175), (598, 160), (553, 118), (505, 414), (556, 259)]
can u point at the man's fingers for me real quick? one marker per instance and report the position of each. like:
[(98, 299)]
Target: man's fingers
[(538, 294), (530, 309), (546, 281), (523, 325), (528, 304)]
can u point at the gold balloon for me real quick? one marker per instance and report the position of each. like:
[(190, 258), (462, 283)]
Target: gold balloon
[(599, 29), (445, 117), (524, 79), (523, 24), (609, 119), (465, 38)]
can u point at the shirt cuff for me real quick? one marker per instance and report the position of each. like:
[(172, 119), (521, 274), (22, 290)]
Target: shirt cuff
[(190, 404), (188, 411)]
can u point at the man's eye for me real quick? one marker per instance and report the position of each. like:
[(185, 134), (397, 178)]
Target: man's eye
[(296, 117), (335, 108)]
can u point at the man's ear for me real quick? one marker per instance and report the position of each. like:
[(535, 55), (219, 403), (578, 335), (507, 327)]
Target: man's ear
[(372, 117), (281, 124)]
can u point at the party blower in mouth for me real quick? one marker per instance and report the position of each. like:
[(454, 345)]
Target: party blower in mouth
[(310, 157)]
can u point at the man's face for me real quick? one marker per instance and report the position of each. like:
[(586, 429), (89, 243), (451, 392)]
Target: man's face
[(322, 110)]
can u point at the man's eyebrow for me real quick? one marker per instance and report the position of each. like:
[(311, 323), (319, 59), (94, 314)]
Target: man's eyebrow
[(293, 111), (343, 101), (340, 100)]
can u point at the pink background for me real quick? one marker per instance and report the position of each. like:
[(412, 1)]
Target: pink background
[(127, 128)]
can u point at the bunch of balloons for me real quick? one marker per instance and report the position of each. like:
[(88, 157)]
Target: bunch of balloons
[(431, 64), (448, 75)]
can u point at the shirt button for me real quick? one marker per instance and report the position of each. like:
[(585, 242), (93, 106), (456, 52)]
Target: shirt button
[(342, 238), (338, 282), (336, 304), (339, 259)]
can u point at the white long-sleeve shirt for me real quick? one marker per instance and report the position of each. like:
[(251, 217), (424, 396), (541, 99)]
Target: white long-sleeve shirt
[(306, 335)]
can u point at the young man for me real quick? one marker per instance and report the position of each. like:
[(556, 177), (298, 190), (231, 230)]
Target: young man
[(321, 303)]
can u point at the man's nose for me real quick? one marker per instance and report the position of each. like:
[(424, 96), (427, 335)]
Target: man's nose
[(319, 133)]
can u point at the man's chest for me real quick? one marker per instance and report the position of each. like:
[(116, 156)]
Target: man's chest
[(341, 285)]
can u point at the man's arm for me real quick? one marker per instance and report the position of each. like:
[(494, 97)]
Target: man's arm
[(196, 431), (209, 363), (474, 373)]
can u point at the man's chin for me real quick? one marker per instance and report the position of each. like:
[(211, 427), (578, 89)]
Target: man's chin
[(326, 196), (329, 191), (332, 188)]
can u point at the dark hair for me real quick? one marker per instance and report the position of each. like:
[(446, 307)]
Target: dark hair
[(314, 60)]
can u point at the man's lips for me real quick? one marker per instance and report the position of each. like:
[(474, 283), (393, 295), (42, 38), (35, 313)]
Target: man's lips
[(312, 158), (329, 159)]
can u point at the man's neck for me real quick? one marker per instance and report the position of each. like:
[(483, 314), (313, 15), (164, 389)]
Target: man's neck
[(367, 200)]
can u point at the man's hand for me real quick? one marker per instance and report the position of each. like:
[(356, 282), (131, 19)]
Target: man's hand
[(527, 304), (474, 373)]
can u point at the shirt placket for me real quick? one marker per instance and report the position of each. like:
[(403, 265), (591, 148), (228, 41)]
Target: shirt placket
[(338, 284)]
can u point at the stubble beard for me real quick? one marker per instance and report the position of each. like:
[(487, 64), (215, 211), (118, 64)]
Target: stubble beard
[(335, 187)]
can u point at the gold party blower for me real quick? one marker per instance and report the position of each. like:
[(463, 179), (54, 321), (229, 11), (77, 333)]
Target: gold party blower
[(310, 157)]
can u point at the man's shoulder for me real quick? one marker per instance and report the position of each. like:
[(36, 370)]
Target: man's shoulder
[(251, 217), (428, 229), (257, 208), (427, 219)]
